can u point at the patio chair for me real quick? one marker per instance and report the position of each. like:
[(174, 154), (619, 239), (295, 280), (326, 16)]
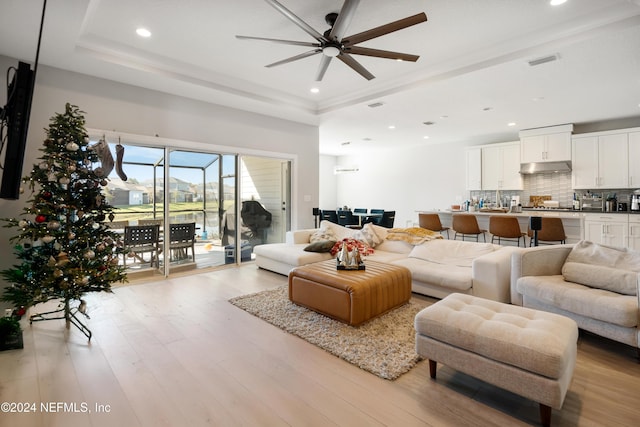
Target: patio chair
[(139, 239), (181, 238)]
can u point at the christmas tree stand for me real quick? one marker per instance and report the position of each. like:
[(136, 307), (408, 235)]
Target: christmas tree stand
[(68, 314)]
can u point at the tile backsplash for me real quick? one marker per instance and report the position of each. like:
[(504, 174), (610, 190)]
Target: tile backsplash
[(556, 185)]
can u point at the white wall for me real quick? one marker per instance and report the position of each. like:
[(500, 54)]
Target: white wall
[(419, 178), (123, 108), (328, 183)]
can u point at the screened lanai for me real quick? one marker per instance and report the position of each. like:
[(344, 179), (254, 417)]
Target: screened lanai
[(200, 197)]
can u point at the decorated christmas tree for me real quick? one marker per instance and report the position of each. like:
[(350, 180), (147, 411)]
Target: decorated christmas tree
[(64, 246)]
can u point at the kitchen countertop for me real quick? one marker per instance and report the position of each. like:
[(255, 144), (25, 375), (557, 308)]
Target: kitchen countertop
[(529, 212), (525, 214)]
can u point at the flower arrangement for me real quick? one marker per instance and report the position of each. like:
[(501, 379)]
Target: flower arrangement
[(362, 247)]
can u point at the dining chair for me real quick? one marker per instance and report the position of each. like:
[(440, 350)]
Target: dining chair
[(387, 219), (181, 238), (506, 227), (466, 225), (360, 210), (331, 216), (347, 219), (432, 222), (552, 232), (375, 217), (139, 239)]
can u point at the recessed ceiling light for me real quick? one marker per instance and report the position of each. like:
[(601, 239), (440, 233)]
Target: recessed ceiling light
[(487, 109), (143, 32), (444, 117), (557, 2), (314, 90), (429, 123), (538, 98), (425, 137), (511, 124), (392, 127), (366, 139), (345, 143)]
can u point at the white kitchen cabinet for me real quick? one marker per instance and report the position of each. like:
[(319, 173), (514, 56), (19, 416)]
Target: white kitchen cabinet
[(501, 166), (634, 232), (605, 229), (634, 160), (545, 148), (473, 157), (600, 161)]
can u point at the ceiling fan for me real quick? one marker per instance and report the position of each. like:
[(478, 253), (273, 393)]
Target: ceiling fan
[(333, 42)]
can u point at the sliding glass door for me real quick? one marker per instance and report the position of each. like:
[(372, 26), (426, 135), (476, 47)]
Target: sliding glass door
[(219, 206)]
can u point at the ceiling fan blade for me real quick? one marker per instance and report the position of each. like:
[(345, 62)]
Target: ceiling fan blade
[(295, 58), (357, 50), (322, 68), (348, 59), (344, 19), (299, 22), (290, 42), (384, 29)]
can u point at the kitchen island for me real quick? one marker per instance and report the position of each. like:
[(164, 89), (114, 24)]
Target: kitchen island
[(572, 221)]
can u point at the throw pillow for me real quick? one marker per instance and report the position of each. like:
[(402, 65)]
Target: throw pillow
[(369, 234), (323, 233), (339, 231), (320, 246), (604, 267)]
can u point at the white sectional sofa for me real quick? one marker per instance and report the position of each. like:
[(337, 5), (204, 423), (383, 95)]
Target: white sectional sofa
[(438, 267), (598, 286)]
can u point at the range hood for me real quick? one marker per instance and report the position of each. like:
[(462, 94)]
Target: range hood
[(545, 167)]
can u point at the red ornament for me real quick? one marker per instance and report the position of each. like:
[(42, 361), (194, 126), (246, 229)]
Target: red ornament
[(40, 219), (46, 195)]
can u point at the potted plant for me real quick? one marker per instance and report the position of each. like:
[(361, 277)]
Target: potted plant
[(10, 334)]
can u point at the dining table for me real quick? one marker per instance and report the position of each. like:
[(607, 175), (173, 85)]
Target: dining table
[(362, 215)]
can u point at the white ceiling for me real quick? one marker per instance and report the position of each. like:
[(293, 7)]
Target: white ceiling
[(472, 77)]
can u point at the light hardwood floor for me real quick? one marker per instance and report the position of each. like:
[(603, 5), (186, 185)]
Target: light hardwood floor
[(176, 353)]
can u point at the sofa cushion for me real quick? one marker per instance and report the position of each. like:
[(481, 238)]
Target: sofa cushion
[(595, 303), (395, 246), (605, 267), (451, 252), (456, 278), (290, 254), (320, 246)]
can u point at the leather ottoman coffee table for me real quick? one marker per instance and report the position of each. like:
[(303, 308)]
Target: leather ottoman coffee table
[(350, 296)]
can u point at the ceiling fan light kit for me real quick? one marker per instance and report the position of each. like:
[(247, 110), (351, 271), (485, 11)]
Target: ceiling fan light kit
[(331, 51), (333, 43)]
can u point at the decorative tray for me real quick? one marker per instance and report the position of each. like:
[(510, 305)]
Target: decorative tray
[(360, 266)]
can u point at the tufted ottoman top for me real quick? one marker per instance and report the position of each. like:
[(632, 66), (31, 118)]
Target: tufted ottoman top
[(536, 341)]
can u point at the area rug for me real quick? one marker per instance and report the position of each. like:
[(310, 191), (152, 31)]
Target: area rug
[(384, 346)]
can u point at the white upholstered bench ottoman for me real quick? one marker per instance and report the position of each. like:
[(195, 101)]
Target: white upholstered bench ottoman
[(527, 352)]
